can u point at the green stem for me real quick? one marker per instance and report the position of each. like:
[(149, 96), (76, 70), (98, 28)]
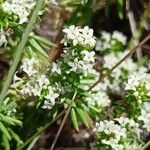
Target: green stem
[(20, 49), (40, 131)]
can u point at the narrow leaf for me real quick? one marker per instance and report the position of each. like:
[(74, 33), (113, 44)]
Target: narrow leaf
[(74, 119), (6, 143), (37, 47), (44, 41), (10, 120), (120, 8), (82, 116), (15, 137), (5, 131)]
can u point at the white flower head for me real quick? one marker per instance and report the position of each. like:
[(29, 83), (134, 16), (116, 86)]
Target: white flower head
[(28, 66), (21, 8), (120, 37), (76, 35)]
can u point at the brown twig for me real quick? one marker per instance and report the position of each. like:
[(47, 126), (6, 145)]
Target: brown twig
[(63, 122), (133, 27), (120, 62), (146, 145)]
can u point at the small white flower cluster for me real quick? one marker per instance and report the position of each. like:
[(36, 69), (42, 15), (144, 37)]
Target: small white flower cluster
[(120, 37), (35, 88), (21, 8), (110, 128), (139, 83), (28, 66), (145, 116), (77, 36), (50, 98), (116, 134), (78, 62), (138, 79), (99, 99), (3, 37), (128, 66), (84, 65), (37, 83), (128, 124), (107, 40)]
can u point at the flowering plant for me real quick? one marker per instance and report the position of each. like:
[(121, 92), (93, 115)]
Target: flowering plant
[(115, 110)]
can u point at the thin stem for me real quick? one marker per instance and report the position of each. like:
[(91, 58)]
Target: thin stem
[(40, 131), (133, 27), (146, 145), (63, 122), (20, 49), (120, 62)]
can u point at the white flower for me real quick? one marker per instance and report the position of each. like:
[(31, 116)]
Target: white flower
[(136, 80), (100, 98), (122, 120), (120, 37), (106, 36), (113, 143), (88, 56), (43, 80), (56, 68), (75, 65), (20, 8), (28, 66), (145, 116), (109, 127), (36, 91), (51, 96), (76, 35), (27, 89), (80, 66), (47, 105), (128, 65)]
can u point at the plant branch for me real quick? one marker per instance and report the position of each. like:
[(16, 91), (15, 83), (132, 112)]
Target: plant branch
[(133, 27), (146, 145), (100, 80), (20, 49), (120, 62), (63, 122), (40, 131), (69, 108)]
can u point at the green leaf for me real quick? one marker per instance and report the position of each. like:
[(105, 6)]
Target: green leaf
[(6, 143), (95, 109), (120, 8), (29, 51), (10, 120), (37, 47), (44, 41), (83, 2), (15, 137), (82, 116), (107, 6), (5, 131), (74, 119)]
